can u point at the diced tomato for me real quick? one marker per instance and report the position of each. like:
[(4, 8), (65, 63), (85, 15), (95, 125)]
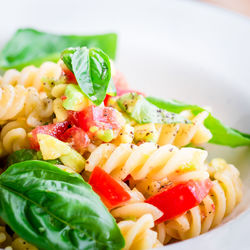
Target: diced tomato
[(55, 130), (122, 87), (110, 191), (100, 117), (70, 77), (77, 138), (73, 117), (176, 200), (120, 92)]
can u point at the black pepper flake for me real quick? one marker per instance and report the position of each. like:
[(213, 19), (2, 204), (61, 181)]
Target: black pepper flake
[(158, 146), (131, 146), (87, 162), (171, 149), (147, 134)]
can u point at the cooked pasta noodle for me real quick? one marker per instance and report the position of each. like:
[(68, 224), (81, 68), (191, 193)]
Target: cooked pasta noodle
[(139, 234), (147, 160), (19, 101), (183, 134), (31, 76), (223, 197), (13, 136)]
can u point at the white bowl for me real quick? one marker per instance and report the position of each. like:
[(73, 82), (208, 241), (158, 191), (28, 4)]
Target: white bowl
[(172, 49)]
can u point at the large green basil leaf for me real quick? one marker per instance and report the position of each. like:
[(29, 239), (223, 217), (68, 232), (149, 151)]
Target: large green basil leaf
[(26, 155), (142, 111), (92, 71), (29, 46), (222, 134), (53, 209)]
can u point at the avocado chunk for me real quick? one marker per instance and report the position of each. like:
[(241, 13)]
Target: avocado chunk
[(142, 111), (52, 148), (75, 99)]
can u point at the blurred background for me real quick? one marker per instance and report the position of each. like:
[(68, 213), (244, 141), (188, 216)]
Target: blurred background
[(240, 6)]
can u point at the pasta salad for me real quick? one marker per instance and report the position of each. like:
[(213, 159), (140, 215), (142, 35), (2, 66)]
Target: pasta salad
[(89, 163)]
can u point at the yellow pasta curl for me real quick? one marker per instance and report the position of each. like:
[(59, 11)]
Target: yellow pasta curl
[(33, 77), (147, 160), (223, 197), (13, 137), (139, 234), (183, 134), (18, 101)]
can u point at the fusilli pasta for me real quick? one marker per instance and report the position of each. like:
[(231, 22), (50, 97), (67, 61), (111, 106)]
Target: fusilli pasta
[(183, 134), (13, 136), (139, 234), (18, 101), (31, 76), (147, 160), (223, 197)]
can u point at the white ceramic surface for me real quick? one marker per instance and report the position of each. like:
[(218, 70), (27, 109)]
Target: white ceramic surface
[(174, 49)]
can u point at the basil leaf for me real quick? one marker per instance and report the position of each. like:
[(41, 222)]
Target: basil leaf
[(142, 111), (222, 134), (66, 56), (26, 155), (54, 209), (29, 46), (92, 71)]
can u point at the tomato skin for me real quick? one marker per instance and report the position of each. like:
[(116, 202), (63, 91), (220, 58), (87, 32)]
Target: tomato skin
[(70, 77), (110, 191), (102, 118), (120, 92), (55, 130), (73, 117), (176, 200), (77, 138)]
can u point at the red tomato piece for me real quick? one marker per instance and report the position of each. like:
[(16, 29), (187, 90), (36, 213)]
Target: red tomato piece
[(100, 117), (70, 77), (55, 130), (73, 118), (120, 92), (122, 87), (110, 191), (77, 138), (176, 200)]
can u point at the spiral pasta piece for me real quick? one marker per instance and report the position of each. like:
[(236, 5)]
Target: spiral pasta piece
[(18, 101), (223, 197), (13, 137), (31, 76), (183, 134), (147, 160), (138, 234)]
